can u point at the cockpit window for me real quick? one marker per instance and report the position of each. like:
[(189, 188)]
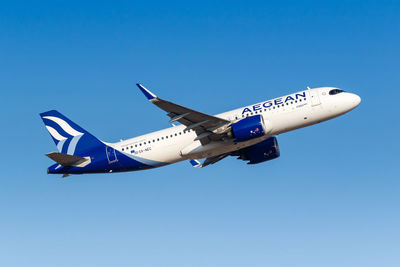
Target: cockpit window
[(335, 91)]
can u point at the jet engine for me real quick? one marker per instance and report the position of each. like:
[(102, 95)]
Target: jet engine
[(263, 151), (249, 128)]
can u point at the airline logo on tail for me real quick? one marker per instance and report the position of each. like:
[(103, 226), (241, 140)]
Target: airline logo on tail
[(65, 137)]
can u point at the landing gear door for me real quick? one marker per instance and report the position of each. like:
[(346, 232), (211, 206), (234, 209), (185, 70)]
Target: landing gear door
[(314, 95), (111, 156)]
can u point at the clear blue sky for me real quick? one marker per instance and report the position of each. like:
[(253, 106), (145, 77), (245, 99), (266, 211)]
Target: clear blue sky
[(331, 199)]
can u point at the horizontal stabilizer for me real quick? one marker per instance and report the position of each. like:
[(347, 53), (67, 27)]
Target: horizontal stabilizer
[(66, 160)]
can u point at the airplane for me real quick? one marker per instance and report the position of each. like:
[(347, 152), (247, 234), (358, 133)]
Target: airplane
[(249, 133)]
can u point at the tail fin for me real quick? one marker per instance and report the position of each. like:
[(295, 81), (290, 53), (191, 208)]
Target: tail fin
[(69, 137)]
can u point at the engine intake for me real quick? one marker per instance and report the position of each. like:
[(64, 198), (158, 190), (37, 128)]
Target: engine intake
[(249, 128)]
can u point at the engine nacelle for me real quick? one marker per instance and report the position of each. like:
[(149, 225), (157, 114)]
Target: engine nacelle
[(249, 128), (263, 151)]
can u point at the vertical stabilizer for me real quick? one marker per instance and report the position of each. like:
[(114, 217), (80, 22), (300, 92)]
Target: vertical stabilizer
[(69, 137)]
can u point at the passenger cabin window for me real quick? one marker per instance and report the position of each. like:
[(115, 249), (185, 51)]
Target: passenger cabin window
[(335, 91)]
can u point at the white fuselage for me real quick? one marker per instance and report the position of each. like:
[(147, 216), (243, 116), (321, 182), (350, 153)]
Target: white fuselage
[(281, 115)]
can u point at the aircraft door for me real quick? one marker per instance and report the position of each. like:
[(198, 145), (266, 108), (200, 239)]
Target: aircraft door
[(111, 156), (314, 95)]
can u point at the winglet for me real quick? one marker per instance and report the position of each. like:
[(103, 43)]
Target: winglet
[(146, 92), (195, 163)]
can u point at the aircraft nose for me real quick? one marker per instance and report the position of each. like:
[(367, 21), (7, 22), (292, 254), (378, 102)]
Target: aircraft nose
[(352, 101), (356, 100)]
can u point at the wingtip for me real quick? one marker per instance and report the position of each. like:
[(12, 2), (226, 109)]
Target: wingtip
[(195, 163), (146, 92)]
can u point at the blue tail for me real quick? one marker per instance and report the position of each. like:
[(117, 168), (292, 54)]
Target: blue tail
[(69, 137)]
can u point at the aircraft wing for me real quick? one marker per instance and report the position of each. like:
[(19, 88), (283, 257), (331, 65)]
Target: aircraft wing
[(213, 160), (203, 124)]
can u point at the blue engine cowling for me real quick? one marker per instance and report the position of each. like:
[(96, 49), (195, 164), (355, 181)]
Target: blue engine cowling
[(249, 128), (263, 151)]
